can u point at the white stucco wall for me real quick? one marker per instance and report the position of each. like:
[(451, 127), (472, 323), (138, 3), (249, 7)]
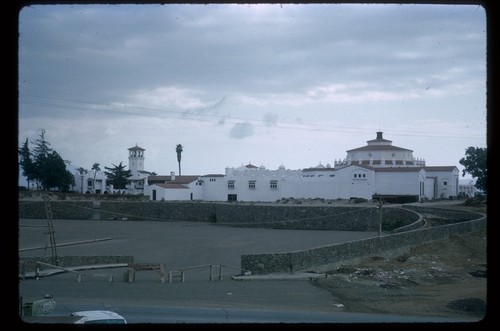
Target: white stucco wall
[(446, 182), (213, 188), (430, 187), (168, 194), (347, 186), (399, 183), (100, 182)]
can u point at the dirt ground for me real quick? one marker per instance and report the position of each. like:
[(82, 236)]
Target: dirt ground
[(444, 278)]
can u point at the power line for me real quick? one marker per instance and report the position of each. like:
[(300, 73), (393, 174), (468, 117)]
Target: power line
[(197, 113)]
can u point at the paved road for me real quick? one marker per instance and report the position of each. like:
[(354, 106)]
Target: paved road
[(178, 245)]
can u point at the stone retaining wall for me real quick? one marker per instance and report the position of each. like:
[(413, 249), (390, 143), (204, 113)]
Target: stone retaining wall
[(239, 215), (325, 258)]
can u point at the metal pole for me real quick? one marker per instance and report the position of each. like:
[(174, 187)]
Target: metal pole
[(162, 273), (380, 217)]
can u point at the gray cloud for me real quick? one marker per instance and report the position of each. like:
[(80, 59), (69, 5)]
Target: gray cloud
[(242, 130), (325, 66), (270, 119)]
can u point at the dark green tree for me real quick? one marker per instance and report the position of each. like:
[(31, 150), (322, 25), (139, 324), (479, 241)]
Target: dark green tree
[(475, 164), (54, 174), (26, 162), (178, 150), (40, 153), (45, 166), (118, 176)]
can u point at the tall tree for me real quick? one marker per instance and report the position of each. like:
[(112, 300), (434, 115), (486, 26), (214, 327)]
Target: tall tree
[(96, 168), (26, 162), (40, 153), (54, 173), (45, 166), (178, 150), (118, 176), (475, 164)]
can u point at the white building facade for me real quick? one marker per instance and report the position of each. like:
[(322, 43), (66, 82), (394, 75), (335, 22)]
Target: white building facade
[(377, 169), (138, 180), (92, 182)]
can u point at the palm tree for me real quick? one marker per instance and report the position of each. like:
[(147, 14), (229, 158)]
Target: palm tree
[(178, 149), (82, 172), (96, 168)]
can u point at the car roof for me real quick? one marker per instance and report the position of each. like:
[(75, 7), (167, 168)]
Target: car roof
[(96, 315)]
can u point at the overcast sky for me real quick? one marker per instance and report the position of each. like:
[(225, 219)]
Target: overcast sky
[(291, 85)]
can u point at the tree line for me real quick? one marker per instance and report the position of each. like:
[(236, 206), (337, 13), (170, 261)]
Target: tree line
[(44, 167)]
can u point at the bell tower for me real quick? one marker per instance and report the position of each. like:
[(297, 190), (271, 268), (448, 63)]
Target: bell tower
[(136, 159)]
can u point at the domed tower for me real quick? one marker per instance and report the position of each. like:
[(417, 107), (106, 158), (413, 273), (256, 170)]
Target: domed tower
[(380, 152), (136, 159)]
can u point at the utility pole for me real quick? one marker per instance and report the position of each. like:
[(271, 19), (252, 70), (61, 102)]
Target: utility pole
[(51, 231), (380, 216)]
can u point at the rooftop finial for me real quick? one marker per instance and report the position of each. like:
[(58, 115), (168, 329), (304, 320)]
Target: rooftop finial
[(379, 135)]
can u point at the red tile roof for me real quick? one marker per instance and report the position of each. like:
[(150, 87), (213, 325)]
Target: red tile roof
[(168, 179), (379, 148), (171, 185)]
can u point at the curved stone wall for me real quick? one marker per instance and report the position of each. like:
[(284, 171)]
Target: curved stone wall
[(227, 214), (321, 259)]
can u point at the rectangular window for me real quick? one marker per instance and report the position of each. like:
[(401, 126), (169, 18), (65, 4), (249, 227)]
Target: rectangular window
[(230, 184), (251, 184), (212, 179), (273, 184), (359, 176)]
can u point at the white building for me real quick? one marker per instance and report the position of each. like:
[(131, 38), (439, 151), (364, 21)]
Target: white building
[(138, 180), (174, 187), (85, 183), (377, 169), (92, 182), (467, 188)]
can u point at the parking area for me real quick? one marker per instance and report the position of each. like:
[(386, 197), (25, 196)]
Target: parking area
[(177, 244)]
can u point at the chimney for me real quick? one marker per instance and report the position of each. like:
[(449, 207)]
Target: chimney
[(379, 135), (172, 175)]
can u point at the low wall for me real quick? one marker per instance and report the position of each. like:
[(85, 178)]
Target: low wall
[(325, 258), (228, 214), (29, 263), (310, 217)]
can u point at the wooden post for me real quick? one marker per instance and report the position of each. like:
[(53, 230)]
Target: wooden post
[(170, 276), (162, 273), (220, 271), (23, 271), (79, 277), (131, 275), (182, 276), (380, 217), (111, 278), (211, 274)]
